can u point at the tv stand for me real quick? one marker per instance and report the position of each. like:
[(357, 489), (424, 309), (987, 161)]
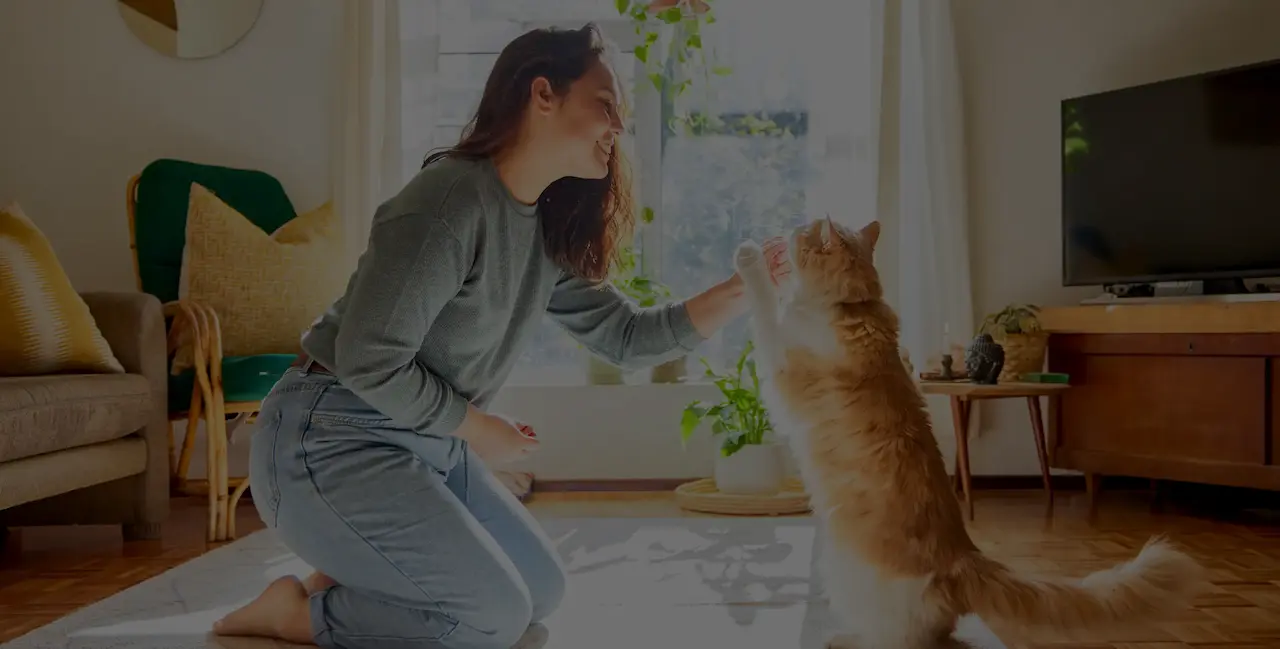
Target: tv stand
[(1182, 390)]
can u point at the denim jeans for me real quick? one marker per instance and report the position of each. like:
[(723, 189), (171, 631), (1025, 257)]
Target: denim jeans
[(429, 549)]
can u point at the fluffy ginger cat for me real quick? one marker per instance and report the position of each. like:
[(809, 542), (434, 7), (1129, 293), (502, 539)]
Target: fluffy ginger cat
[(901, 567)]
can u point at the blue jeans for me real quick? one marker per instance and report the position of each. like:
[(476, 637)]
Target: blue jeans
[(429, 549)]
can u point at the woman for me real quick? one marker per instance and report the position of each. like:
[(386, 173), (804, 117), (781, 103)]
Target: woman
[(371, 455)]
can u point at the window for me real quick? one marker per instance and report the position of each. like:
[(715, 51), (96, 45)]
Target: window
[(746, 172)]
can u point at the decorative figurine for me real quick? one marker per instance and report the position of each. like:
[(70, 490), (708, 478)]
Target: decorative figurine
[(984, 359), (947, 373)]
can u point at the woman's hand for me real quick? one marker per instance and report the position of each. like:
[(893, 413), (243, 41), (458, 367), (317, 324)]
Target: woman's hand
[(775, 255), (496, 439), (717, 306)]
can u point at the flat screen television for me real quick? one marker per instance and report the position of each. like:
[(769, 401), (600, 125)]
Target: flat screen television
[(1177, 180)]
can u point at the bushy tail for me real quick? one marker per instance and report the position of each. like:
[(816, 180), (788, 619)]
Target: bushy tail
[(1158, 583)]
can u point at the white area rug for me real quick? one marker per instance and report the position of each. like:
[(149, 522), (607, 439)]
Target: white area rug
[(689, 583)]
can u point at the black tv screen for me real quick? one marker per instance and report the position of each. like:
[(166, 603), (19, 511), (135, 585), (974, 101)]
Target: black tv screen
[(1173, 181)]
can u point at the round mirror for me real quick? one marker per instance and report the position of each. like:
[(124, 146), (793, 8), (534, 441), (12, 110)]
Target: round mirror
[(190, 29)]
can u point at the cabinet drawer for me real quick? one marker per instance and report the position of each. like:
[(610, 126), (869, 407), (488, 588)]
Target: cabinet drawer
[(1192, 407)]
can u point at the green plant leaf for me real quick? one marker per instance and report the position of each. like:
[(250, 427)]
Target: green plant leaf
[(693, 414), (721, 70), (671, 16), (622, 6), (642, 53)]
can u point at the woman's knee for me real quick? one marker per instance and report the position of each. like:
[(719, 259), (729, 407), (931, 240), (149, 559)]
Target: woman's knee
[(495, 615), (547, 593)]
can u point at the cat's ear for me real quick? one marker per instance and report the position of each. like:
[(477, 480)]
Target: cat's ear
[(826, 232), (870, 234)]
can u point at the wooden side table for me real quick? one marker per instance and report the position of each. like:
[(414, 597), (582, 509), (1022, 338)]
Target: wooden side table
[(964, 393)]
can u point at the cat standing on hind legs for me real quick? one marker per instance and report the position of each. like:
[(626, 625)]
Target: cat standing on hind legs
[(901, 568)]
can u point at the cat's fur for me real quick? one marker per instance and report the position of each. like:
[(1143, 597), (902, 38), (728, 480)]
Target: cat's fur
[(902, 567)]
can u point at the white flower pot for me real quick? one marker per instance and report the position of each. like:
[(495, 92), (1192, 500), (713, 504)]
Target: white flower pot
[(754, 469)]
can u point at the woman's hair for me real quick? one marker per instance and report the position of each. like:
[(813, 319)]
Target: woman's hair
[(583, 220)]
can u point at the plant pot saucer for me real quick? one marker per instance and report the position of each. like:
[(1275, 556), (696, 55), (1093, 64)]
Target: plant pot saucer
[(702, 496)]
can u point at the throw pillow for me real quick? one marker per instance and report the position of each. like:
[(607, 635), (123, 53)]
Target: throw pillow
[(267, 289), (45, 326)]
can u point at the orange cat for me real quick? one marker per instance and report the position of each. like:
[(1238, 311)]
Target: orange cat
[(901, 566)]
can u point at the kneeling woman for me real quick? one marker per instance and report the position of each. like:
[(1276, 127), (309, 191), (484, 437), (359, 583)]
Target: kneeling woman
[(370, 457)]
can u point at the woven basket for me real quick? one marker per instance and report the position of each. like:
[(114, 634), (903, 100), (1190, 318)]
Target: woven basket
[(702, 496), (1023, 353)]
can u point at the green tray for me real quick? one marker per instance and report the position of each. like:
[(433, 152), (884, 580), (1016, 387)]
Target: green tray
[(1045, 377)]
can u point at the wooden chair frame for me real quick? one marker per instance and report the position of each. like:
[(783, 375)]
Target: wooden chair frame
[(208, 402)]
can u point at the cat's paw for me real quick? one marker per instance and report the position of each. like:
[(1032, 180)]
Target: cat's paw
[(841, 641), (749, 256)]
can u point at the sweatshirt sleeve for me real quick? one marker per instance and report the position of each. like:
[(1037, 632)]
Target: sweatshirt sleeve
[(618, 330), (414, 265)]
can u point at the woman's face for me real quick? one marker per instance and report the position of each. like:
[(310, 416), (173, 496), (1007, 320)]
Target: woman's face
[(584, 125)]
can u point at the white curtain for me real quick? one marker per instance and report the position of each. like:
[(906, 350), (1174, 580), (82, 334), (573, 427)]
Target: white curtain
[(934, 294), (388, 60)]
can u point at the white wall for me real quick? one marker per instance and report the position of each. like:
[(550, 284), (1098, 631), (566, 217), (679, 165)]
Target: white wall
[(72, 133), (1019, 59), (87, 105)]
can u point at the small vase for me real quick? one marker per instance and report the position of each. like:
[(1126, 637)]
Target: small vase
[(754, 469), (673, 371)]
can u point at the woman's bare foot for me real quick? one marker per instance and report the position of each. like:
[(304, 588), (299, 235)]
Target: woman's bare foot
[(317, 581), (281, 612)]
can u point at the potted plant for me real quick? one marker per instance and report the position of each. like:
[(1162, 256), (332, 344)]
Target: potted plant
[(1017, 328), (750, 459)]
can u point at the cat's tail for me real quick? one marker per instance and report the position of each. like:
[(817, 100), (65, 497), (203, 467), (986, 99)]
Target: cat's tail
[(1158, 583)]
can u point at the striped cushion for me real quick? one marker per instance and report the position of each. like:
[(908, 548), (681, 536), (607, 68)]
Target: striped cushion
[(45, 327)]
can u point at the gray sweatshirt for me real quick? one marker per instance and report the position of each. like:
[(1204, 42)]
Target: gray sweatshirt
[(444, 300)]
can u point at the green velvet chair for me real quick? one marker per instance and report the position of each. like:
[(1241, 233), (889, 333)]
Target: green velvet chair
[(217, 387)]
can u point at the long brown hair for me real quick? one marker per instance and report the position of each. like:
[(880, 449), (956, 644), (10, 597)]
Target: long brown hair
[(584, 221)]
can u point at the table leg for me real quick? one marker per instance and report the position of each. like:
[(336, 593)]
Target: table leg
[(960, 420), (1042, 444)]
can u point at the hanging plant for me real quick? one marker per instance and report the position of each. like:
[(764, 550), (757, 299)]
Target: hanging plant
[(670, 40)]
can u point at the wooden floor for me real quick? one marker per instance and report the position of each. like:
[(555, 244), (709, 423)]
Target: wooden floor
[(47, 573)]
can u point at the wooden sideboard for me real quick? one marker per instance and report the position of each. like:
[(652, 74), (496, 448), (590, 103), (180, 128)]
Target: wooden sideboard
[(1180, 391)]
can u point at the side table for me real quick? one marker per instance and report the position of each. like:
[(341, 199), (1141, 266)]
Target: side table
[(964, 393)]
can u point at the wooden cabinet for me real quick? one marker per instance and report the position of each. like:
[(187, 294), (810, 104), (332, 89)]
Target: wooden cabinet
[(1176, 400)]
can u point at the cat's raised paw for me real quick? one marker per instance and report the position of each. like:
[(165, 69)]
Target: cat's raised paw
[(749, 255)]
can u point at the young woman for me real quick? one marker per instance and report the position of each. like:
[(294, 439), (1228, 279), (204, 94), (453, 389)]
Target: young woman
[(370, 457)]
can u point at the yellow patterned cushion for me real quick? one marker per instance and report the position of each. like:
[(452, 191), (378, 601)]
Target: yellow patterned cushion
[(45, 327), (266, 289)]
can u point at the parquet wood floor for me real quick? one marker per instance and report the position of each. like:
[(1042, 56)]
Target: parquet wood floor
[(47, 573)]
